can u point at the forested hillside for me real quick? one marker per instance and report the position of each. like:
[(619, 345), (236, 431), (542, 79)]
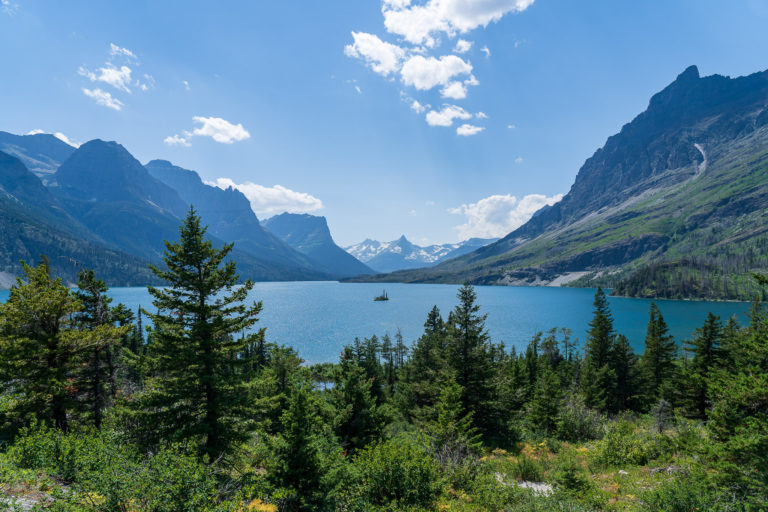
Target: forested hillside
[(681, 188)]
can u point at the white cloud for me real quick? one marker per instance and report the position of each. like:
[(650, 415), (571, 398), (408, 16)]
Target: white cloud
[(446, 116), (519, 160), (115, 50), (454, 90), (58, 135), (217, 128), (119, 78), (9, 7), (382, 57), (424, 73), (103, 98), (66, 140), (511, 126), (481, 115), (486, 51), (462, 46), (268, 201), (498, 215), (186, 84), (357, 88), (220, 130), (467, 130), (418, 107), (422, 23), (177, 140)]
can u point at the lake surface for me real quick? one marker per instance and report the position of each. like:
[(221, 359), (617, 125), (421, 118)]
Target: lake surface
[(319, 318)]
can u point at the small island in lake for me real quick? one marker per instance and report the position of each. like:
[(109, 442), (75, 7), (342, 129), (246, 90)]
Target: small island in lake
[(381, 297)]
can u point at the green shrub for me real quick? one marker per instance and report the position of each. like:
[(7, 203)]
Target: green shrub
[(625, 445), (577, 422), (525, 469), (396, 473)]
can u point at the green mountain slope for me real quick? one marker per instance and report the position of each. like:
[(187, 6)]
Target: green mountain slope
[(32, 223), (672, 206)]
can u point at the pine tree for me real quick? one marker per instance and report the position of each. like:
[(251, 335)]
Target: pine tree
[(658, 361), (358, 420), (598, 378), (471, 360), (296, 463), (627, 376), (426, 373), (37, 343), (544, 406), (97, 375), (452, 436), (199, 389), (705, 348)]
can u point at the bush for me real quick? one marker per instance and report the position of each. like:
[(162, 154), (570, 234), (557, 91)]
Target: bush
[(624, 445), (396, 473), (526, 469), (577, 422)]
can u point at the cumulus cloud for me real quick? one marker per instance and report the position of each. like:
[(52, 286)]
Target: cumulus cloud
[(186, 84), (467, 130), (115, 50), (446, 115), (382, 57), (422, 23), (418, 107), (177, 140), (498, 215), (220, 129), (424, 73), (486, 51), (454, 90), (103, 98), (119, 78), (216, 128), (268, 201), (462, 46)]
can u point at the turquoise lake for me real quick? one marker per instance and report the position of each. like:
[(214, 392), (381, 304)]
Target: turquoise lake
[(319, 318)]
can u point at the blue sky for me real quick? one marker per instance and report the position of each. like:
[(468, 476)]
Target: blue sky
[(283, 99)]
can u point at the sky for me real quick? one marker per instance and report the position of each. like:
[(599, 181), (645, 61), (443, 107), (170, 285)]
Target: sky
[(437, 119)]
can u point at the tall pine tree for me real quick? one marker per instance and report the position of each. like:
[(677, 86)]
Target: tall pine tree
[(598, 378), (658, 361), (198, 389)]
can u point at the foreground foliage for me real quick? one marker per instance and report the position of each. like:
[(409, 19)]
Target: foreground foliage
[(205, 414)]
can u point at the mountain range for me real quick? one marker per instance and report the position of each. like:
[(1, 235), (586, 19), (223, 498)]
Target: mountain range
[(674, 205), (402, 254), (98, 207)]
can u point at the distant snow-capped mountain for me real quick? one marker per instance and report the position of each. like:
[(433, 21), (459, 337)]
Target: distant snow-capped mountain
[(401, 254)]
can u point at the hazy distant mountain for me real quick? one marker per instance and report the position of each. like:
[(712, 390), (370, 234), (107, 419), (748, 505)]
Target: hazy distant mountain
[(674, 205), (229, 216), (33, 223), (42, 153), (309, 234), (402, 254)]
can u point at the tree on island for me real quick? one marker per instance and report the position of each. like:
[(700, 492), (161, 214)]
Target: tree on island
[(198, 384)]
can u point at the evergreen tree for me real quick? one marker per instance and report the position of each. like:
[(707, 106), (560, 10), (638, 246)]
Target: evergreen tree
[(543, 409), (705, 348), (37, 343), (296, 462), (97, 376), (358, 420), (199, 389), (471, 360), (658, 361), (625, 366), (452, 436), (598, 379), (426, 373)]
